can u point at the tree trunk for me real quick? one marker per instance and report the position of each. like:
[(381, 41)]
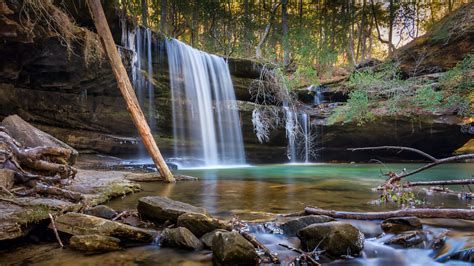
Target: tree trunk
[(420, 213), (194, 23), (390, 29), (163, 14), (145, 13), (126, 89), (284, 27), (258, 49)]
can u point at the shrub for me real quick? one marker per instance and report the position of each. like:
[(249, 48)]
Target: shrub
[(427, 98), (458, 103), (357, 109)]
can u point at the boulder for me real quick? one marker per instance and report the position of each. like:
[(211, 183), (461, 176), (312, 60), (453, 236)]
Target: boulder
[(337, 238), (207, 238), (401, 224), (199, 224), (29, 136), (180, 238), (232, 248), (160, 209), (83, 224), (7, 178), (94, 243), (291, 227), (408, 239), (101, 211)]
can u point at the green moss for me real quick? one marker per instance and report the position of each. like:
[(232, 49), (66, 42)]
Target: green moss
[(34, 214)]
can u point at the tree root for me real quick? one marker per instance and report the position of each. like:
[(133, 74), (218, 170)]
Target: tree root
[(41, 169)]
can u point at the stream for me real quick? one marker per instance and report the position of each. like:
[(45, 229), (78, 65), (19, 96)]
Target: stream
[(258, 193)]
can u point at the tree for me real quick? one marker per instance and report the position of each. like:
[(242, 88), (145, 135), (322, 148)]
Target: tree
[(284, 28)]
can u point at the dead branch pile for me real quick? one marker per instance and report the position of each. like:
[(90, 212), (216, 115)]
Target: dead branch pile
[(39, 170)]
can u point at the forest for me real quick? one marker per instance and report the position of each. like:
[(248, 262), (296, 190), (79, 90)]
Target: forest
[(265, 132)]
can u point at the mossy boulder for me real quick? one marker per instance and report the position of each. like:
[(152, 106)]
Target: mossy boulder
[(337, 238), (401, 224), (161, 209), (83, 224), (199, 224), (180, 238), (232, 248), (94, 243)]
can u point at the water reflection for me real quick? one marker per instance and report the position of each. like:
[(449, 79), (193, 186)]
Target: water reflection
[(254, 192)]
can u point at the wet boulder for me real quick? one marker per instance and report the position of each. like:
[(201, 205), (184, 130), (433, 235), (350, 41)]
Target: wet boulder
[(160, 209), (232, 248), (291, 227), (94, 243), (199, 224), (408, 239), (337, 238), (207, 238), (83, 224), (401, 224), (101, 211), (180, 238)]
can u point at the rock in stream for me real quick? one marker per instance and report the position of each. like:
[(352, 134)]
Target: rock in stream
[(161, 209), (180, 238), (336, 238), (232, 248), (199, 224), (83, 224)]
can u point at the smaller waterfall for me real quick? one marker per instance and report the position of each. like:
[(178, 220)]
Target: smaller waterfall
[(291, 124), (298, 134), (306, 134)]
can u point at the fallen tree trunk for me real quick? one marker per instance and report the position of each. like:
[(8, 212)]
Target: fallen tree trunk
[(420, 213), (440, 183), (100, 21)]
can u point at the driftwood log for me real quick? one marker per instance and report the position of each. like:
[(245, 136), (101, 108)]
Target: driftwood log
[(440, 183), (420, 213), (42, 170)]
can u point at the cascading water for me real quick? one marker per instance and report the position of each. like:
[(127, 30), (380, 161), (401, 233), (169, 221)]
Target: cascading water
[(298, 135), (139, 41), (206, 122)]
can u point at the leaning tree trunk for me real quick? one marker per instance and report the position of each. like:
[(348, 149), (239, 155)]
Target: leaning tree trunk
[(126, 88)]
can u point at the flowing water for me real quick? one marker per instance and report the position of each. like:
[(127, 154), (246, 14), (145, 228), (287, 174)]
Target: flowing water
[(204, 107)]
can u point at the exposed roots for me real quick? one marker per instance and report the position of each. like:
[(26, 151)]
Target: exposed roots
[(42, 170)]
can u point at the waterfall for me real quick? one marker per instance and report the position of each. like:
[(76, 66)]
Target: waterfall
[(306, 135), (206, 122), (291, 124), (298, 134), (139, 42)]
